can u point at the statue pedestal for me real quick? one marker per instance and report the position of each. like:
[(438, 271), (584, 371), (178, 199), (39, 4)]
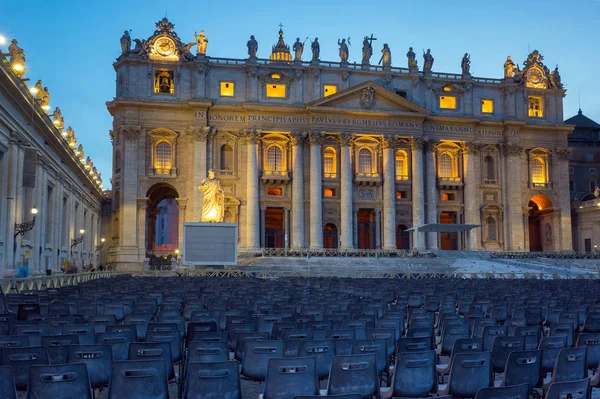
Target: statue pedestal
[(210, 244), (413, 70), (315, 61), (466, 76), (365, 66), (344, 64)]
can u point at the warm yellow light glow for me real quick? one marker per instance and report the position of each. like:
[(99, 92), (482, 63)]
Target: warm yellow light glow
[(535, 106), (103, 239), (538, 171), (213, 214), (45, 107), (76, 152), (82, 231), (64, 134), (34, 211), (329, 90), (275, 75), (18, 67), (487, 106), (276, 90), (176, 252), (227, 89), (33, 90), (447, 89), (2, 40), (447, 102)]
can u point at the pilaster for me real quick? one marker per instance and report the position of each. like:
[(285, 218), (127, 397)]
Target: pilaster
[(297, 230), (389, 195), (316, 190), (252, 188), (418, 192), (514, 204), (432, 193), (346, 202), (470, 152)]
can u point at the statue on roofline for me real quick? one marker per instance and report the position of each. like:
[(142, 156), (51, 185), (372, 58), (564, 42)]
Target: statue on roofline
[(125, 43), (344, 52), (465, 64), (427, 61), (202, 42), (386, 56), (412, 58), (298, 49), (316, 49), (509, 67), (252, 47)]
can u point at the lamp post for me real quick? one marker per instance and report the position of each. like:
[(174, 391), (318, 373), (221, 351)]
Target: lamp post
[(99, 248), (76, 241), (21, 229)]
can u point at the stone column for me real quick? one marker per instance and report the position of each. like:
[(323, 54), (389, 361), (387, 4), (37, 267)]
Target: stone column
[(198, 137), (129, 184), (286, 227), (389, 195), (316, 191), (252, 190), (515, 235), (355, 225), (142, 218), (346, 210), (471, 210), (560, 183), (297, 233), (181, 205), (378, 228), (418, 211), (432, 217), (263, 232), (11, 198)]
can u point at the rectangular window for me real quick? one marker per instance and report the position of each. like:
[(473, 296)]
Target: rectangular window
[(164, 82), (329, 90), (329, 192), (401, 195), (448, 197), (592, 171), (276, 90), (487, 106), (447, 102), (275, 191), (535, 106), (401, 93), (227, 89)]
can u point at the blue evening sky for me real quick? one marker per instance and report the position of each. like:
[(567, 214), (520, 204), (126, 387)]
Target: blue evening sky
[(72, 44)]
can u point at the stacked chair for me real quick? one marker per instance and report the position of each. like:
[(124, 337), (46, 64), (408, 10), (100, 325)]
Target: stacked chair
[(245, 338)]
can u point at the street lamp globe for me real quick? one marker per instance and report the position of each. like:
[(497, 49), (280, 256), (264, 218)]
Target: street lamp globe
[(103, 239), (34, 211), (82, 231)]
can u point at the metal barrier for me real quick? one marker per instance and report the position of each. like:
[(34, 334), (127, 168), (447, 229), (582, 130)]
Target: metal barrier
[(334, 253), (365, 273), (14, 285), (547, 255)]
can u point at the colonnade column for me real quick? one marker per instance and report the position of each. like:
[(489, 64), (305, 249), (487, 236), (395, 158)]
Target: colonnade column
[(346, 194), (11, 200), (181, 205), (286, 227), (316, 191), (252, 190), (432, 238), (142, 204), (198, 136), (471, 211), (418, 207), (389, 195), (515, 230), (298, 190), (561, 178)]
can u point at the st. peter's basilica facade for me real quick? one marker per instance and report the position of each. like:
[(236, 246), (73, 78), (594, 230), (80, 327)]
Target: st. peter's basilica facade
[(323, 155)]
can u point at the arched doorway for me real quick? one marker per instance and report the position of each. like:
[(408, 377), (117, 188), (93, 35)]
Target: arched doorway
[(274, 228), (330, 236), (540, 232), (402, 237), (162, 221)]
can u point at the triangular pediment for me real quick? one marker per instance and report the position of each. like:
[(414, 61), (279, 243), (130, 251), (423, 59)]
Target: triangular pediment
[(368, 97)]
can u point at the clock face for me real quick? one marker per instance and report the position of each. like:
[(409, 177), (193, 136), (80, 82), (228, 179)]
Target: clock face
[(535, 76), (164, 46)]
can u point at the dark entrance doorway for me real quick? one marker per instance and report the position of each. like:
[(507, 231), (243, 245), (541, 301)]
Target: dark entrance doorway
[(535, 230), (366, 229), (448, 240), (330, 236), (274, 228), (402, 237), (162, 220)]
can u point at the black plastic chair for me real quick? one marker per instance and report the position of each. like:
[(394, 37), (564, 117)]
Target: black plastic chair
[(20, 359), (462, 345), (242, 338), (550, 347), (85, 333), (414, 374), (170, 337), (378, 347), (414, 344), (218, 380), (153, 351), (490, 333), (570, 366), (256, 358), (323, 351), (348, 396), (7, 383), (592, 342), (59, 381), (531, 334), (508, 392), (469, 373), (573, 389), (58, 346), (354, 374), (119, 341), (138, 379), (207, 352), (291, 341), (524, 367), (289, 377), (14, 341), (563, 329), (450, 335), (33, 331), (97, 358), (502, 348)]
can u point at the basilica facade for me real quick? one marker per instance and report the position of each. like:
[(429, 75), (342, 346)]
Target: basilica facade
[(314, 154)]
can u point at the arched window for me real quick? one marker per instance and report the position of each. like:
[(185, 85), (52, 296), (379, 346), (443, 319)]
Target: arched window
[(401, 165), (274, 159), (163, 158), (329, 162), (538, 171), (226, 157), (491, 229), (490, 172), (445, 169), (365, 161)]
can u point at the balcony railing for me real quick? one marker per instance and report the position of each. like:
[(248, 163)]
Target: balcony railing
[(275, 176), (490, 182), (401, 177), (367, 179), (330, 175), (449, 182)]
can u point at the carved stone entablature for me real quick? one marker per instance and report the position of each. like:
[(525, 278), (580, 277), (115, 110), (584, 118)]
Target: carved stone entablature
[(315, 73), (130, 132), (472, 147), (250, 136), (511, 149), (449, 88), (202, 134), (298, 74), (430, 145), (142, 203), (563, 153), (298, 138), (509, 89), (226, 137), (345, 139), (316, 137), (489, 149), (417, 143)]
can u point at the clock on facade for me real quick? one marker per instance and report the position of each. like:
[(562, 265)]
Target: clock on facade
[(164, 46), (535, 75)]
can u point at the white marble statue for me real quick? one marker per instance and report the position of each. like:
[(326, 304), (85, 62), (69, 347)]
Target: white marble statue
[(213, 200)]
